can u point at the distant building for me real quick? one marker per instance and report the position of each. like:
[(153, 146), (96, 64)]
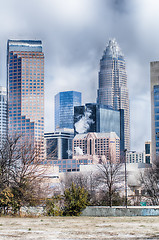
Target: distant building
[(3, 114), (90, 148), (64, 109), (148, 152), (154, 75), (99, 118), (135, 157), (112, 90), (58, 145), (67, 165), (25, 88), (96, 147)]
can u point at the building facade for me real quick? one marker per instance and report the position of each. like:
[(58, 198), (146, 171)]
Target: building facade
[(96, 147), (3, 115), (64, 109), (99, 118), (148, 157), (25, 88), (112, 90), (154, 75), (67, 165), (58, 145), (135, 157)]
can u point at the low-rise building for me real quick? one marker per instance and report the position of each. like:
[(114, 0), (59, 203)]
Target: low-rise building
[(96, 147), (135, 157)]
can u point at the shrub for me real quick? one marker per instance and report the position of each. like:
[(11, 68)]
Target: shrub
[(75, 200), (53, 206)]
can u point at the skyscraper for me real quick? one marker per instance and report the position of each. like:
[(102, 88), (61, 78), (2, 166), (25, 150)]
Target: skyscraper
[(154, 75), (64, 109), (113, 90), (3, 114), (25, 87)]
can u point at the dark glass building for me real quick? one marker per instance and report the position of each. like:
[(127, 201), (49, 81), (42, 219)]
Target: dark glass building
[(148, 152), (64, 108), (99, 118), (58, 145)]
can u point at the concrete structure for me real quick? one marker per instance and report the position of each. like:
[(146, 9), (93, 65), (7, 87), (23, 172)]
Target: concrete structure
[(120, 211), (64, 109), (99, 118), (154, 75), (25, 87), (112, 90), (3, 115), (96, 147)]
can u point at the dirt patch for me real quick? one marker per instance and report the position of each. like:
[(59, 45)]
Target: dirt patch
[(50, 228)]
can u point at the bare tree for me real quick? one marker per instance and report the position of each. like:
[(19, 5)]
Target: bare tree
[(86, 180), (150, 183), (79, 179), (20, 169), (109, 177), (8, 159)]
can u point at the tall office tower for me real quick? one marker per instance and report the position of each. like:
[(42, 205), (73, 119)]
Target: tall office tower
[(113, 90), (25, 81), (3, 115), (154, 75), (64, 109)]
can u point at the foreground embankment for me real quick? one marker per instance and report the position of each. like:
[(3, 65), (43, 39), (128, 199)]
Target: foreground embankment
[(51, 228)]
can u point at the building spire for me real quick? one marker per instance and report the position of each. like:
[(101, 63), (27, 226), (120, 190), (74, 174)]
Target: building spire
[(113, 50)]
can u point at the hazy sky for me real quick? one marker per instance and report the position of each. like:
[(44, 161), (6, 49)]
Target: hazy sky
[(75, 34)]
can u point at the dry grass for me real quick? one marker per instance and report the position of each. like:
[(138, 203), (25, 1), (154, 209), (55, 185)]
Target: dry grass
[(50, 228)]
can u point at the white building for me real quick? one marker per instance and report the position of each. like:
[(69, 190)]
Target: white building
[(3, 114), (135, 157)]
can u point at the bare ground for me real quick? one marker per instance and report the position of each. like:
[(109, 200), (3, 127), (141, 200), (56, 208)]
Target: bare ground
[(50, 228)]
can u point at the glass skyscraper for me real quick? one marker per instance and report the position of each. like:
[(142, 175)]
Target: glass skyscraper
[(113, 90), (3, 115), (25, 87), (154, 74), (64, 109)]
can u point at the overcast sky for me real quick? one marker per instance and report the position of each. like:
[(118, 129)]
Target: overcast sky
[(75, 34)]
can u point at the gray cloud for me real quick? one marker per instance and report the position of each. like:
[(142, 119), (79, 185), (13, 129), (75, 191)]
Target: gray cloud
[(75, 34)]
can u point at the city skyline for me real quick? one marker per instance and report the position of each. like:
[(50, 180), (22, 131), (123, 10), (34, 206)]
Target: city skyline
[(72, 54)]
